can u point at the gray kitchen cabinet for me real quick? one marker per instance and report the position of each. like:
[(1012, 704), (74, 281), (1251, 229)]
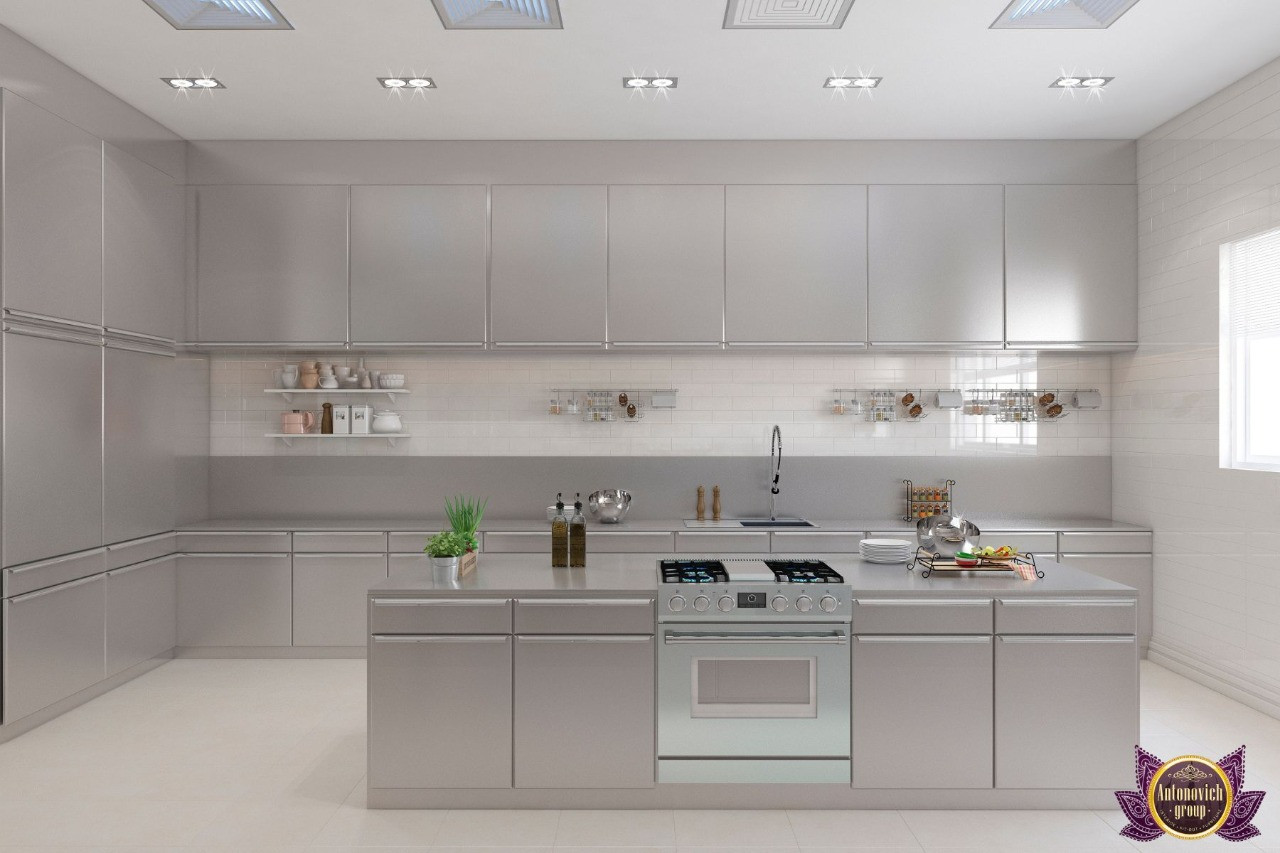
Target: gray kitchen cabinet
[(666, 264), (1071, 255), (138, 444), (1066, 711), (143, 210), (234, 600), (142, 621), (795, 264), (721, 542), (52, 445), (922, 711), (549, 264), (53, 645), (440, 711), (271, 264), (584, 711), (52, 215), (329, 597), (1135, 570), (419, 263), (936, 264)]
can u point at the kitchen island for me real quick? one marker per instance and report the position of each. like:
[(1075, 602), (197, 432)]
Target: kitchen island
[(524, 686)]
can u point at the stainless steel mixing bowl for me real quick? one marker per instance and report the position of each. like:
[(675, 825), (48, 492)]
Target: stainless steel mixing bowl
[(947, 535), (609, 505)]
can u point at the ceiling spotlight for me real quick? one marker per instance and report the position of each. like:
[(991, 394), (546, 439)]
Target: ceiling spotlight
[(852, 82), (838, 82), (1094, 82), (650, 82), (180, 83), (1067, 82), (1080, 82), (393, 82), (206, 83), (421, 82), (635, 83), (194, 82), (663, 82), (866, 82)]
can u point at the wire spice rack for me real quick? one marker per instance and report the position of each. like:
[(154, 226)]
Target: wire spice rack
[(1019, 405), (1022, 565), (924, 501), (601, 405), (883, 405)]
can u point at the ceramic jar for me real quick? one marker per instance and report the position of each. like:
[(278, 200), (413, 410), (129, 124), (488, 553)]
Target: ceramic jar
[(309, 375), (387, 423)]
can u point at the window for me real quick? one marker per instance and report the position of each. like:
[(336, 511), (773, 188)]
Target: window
[(1249, 353)]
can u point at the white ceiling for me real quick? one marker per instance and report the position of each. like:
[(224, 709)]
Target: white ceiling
[(946, 75)]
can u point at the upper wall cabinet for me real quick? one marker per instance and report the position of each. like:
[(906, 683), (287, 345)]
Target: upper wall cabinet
[(53, 215), (937, 264), (549, 264), (271, 264), (418, 264), (666, 264), (142, 225), (795, 264), (1072, 264)]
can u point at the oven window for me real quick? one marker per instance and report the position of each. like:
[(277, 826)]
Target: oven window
[(755, 687)]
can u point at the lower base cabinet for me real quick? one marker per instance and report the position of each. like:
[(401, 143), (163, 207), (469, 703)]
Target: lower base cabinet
[(1066, 711), (53, 645), (584, 711), (235, 600), (142, 603), (922, 711), (440, 711), (329, 597)]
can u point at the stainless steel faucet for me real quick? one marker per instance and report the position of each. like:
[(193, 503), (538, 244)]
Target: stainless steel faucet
[(775, 457)]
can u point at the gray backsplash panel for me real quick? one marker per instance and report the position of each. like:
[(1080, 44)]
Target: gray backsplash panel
[(662, 487)]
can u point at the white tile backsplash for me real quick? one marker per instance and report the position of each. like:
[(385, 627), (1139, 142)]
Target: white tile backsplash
[(495, 404)]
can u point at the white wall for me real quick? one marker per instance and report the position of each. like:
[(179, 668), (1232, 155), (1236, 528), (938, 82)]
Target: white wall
[(1210, 175), (489, 404)]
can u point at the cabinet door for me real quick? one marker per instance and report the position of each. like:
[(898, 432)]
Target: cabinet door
[(271, 263), (52, 447), (795, 264), (549, 264), (52, 215), (53, 645), (142, 620), (330, 597), (666, 264), (606, 740), (1072, 264), (419, 263), (936, 264), (138, 444), (1066, 711), (1135, 570), (440, 711), (142, 263), (234, 600), (922, 712)]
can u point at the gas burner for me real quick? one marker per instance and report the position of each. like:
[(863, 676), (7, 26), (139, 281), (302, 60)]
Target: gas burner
[(803, 571), (693, 571)]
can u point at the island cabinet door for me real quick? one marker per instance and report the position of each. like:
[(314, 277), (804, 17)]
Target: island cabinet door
[(922, 711), (584, 711), (1066, 711), (440, 711)]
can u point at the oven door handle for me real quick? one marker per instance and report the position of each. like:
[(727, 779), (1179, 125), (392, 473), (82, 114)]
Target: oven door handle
[(833, 638)]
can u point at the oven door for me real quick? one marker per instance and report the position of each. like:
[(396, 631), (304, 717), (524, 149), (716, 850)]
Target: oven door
[(753, 691)]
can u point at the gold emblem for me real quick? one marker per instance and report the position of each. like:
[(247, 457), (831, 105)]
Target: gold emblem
[(1192, 801)]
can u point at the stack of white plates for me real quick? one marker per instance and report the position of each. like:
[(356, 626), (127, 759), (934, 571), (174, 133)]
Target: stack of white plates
[(886, 550)]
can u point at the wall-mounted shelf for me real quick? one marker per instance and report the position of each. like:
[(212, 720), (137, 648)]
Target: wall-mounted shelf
[(288, 437), (602, 405), (289, 393), (884, 405), (1025, 405)]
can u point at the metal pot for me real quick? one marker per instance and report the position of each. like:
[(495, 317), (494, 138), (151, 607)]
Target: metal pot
[(947, 535), (609, 505)]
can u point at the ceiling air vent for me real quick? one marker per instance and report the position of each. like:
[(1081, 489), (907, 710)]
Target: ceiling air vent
[(1062, 14), (220, 14), (786, 14), (499, 14)]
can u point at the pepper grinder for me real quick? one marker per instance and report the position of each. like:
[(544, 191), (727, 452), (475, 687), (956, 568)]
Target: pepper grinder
[(715, 503), (702, 503), (326, 420)]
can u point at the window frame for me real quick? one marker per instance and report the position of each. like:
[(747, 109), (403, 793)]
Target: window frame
[(1235, 368)]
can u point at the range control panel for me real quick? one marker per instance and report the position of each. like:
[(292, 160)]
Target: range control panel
[(743, 602)]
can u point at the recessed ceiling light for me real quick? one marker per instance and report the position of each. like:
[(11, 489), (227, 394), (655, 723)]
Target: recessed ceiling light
[(650, 82), (1061, 14), (194, 82), (220, 14), (499, 14), (407, 83), (1080, 82), (392, 82), (420, 83), (786, 14), (852, 82)]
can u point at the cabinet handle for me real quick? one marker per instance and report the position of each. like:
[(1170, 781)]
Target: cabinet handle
[(675, 638), (139, 336), (1067, 602), (44, 564), (585, 638), (585, 602), (580, 344), (146, 540), (140, 348), (940, 344), (69, 337), (1063, 345), (439, 638), (843, 344), (203, 555), (416, 345), (59, 588), (664, 343), (441, 602), (233, 533), (1115, 639), (307, 534), (144, 564), (973, 639), (915, 602)]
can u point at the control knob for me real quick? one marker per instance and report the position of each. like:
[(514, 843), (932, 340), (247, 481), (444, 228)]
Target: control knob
[(779, 603), (804, 604), (676, 603), (725, 603), (701, 603), (827, 603)]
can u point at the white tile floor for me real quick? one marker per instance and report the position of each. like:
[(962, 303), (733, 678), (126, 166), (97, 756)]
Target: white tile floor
[(269, 755)]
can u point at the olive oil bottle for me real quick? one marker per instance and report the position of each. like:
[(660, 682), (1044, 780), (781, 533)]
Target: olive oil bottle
[(559, 537), (577, 536)]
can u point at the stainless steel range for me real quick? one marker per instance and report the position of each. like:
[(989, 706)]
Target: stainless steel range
[(753, 671)]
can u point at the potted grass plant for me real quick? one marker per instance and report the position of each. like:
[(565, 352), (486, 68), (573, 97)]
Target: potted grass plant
[(465, 514), (445, 549)]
